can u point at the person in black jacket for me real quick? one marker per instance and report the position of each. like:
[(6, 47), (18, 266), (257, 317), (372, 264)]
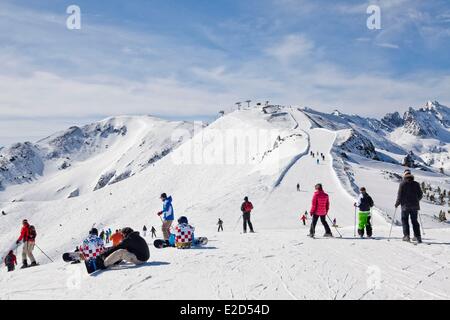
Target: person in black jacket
[(365, 203), (409, 196), (133, 248)]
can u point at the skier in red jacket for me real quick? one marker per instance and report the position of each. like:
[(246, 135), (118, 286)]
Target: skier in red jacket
[(246, 209), (28, 236), (319, 209)]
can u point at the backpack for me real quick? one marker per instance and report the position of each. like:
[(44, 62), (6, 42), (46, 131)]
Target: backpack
[(32, 233), (247, 206)]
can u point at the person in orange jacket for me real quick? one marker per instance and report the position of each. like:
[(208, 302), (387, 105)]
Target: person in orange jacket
[(116, 238)]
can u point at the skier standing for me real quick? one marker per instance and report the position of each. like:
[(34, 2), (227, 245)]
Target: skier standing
[(168, 215), (220, 224), (153, 232), (317, 160), (102, 235), (365, 203), (319, 209), (298, 187), (10, 261), (144, 230), (28, 236), (246, 209), (303, 219), (409, 196)]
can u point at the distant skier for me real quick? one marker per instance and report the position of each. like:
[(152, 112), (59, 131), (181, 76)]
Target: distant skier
[(317, 161), (144, 231), (335, 223), (153, 232), (246, 209), (365, 203), (107, 236), (220, 224), (3, 213), (409, 196), (298, 187), (116, 238), (133, 249), (28, 237), (319, 209), (10, 261), (168, 215), (102, 235), (303, 219)]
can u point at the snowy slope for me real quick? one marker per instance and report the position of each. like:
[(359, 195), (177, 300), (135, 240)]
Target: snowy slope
[(81, 160), (208, 176)]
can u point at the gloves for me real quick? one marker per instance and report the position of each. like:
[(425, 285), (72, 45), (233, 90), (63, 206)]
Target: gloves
[(159, 213), (18, 241)]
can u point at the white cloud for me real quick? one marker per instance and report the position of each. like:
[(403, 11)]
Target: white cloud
[(293, 46)]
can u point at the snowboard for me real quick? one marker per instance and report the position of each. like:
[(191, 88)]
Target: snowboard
[(71, 257), (160, 243)]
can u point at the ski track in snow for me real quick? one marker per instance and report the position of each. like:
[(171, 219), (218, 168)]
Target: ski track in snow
[(277, 262)]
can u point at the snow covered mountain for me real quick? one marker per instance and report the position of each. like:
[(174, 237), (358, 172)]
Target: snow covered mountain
[(261, 153), (104, 153), (422, 135)]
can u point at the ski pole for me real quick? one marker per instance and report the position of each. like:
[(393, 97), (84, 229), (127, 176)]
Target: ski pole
[(392, 224), (340, 235), (43, 252), (420, 218)]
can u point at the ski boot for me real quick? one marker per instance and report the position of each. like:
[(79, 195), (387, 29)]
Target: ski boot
[(34, 264), (25, 264), (417, 239), (328, 235), (406, 239), (311, 235)]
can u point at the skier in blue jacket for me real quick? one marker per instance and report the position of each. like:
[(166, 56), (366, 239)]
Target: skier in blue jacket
[(167, 215)]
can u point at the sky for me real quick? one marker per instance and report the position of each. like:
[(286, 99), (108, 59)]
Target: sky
[(188, 59)]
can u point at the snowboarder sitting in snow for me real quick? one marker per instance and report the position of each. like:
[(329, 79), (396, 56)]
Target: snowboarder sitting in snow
[(183, 236), (28, 236), (319, 209), (91, 248), (10, 261), (133, 248), (365, 203), (168, 215)]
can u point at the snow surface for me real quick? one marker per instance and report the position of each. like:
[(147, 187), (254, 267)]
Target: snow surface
[(208, 176)]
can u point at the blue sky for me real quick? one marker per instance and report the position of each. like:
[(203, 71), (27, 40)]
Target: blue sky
[(191, 58)]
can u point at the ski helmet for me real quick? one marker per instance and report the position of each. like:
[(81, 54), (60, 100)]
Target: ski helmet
[(163, 196), (93, 231), (126, 231), (246, 199), (182, 220)]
